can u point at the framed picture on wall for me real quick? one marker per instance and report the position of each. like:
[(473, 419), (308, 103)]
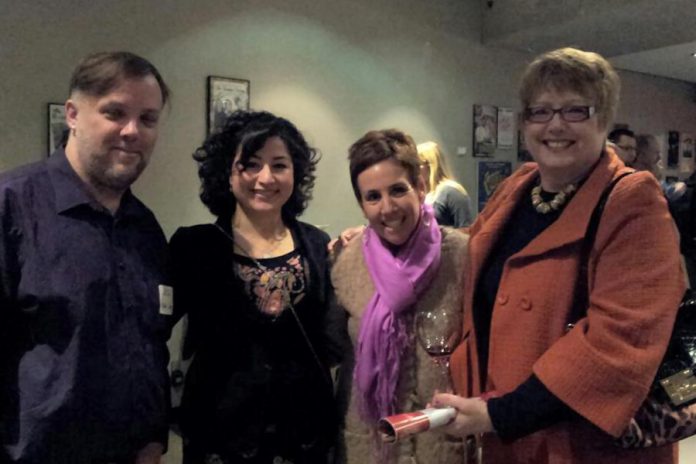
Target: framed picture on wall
[(485, 130), (672, 149), (490, 175), (522, 154), (57, 127), (506, 127), (225, 95)]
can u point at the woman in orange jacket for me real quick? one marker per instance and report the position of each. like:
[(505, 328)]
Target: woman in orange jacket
[(563, 395)]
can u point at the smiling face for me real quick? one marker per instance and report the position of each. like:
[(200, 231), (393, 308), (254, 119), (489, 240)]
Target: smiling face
[(565, 151), (390, 203), (112, 136), (265, 182)]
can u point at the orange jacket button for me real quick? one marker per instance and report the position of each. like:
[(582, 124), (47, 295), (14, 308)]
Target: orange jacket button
[(502, 299), (525, 303)]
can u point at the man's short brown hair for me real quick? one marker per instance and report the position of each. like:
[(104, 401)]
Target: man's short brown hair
[(100, 72), (379, 145)]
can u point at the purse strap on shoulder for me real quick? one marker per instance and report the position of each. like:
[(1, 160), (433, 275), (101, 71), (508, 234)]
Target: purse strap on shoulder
[(581, 296)]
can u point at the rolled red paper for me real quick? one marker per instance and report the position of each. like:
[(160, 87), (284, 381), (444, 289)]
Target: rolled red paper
[(398, 426)]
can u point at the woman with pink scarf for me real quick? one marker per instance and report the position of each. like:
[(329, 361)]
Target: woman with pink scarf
[(402, 264)]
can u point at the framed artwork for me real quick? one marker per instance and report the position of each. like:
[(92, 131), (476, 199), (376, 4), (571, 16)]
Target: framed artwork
[(57, 127), (485, 130), (522, 154), (687, 145), (672, 149), (225, 95), (686, 155), (490, 175), (506, 127)]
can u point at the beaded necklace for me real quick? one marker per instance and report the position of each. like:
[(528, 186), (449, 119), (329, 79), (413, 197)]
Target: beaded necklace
[(556, 203)]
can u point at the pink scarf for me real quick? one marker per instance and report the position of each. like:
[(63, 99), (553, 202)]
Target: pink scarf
[(399, 281)]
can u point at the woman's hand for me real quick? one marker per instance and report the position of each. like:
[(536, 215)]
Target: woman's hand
[(472, 414), (345, 237), (150, 454)]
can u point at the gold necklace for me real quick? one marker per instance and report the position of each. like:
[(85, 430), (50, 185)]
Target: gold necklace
[(266, 253), (556, 203)]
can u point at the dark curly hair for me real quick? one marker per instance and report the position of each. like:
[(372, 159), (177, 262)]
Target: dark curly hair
[(249, 131)]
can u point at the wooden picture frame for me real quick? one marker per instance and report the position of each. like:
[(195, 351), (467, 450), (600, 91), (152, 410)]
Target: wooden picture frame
[(225, 95), (57, 128)]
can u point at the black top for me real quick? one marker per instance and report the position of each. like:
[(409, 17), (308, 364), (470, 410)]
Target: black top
[(530, 407), (255, 388), (83, 355)]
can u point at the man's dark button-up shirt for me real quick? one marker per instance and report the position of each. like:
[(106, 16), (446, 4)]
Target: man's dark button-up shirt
[(83, 357)]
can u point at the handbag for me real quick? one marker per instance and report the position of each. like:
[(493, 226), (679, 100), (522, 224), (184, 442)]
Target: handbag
[(668, 414)]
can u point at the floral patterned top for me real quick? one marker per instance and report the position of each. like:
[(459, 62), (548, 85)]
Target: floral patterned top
[(273, 282)]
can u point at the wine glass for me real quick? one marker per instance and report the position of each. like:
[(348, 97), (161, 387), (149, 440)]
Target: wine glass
[(438, 331)]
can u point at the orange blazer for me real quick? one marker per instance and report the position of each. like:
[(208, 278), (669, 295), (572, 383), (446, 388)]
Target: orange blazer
[(604, 366)]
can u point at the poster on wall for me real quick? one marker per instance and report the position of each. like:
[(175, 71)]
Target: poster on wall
[(686, 155), (490, 175), (225, 96), (485, 130), (523, 154), (687, 145), (672, 149), (57, 127), (506, 127)]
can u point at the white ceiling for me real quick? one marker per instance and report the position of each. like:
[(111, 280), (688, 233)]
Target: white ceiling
[(650, 36)]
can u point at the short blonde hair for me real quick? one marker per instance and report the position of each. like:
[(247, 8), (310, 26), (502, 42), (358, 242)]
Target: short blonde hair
[(570, 69)]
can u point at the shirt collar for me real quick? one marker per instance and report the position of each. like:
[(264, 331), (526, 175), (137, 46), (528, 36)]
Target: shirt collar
[(70, 191)]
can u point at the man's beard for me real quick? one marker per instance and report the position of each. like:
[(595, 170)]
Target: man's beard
[(104, 174)]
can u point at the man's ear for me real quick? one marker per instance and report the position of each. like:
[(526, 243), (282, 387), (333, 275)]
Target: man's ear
[(71, 113)]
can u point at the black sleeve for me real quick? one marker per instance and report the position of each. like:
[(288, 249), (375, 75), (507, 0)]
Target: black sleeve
[(529, 408), (335, 331), (178, 265), (335, 324), (9, 265), (185, 276)]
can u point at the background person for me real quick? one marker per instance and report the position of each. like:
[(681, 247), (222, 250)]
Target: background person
[(256, 287), (648, 158), (566, 394), (83, 308), (401, 265), (624, 141), (449, 198)]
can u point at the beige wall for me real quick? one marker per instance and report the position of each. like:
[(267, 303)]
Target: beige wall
[(335, 68)]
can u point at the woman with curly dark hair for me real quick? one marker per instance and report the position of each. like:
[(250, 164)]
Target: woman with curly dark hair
[(255, 286)]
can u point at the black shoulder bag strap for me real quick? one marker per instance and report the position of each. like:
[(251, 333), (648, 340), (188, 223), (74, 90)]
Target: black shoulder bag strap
[(581, 296)]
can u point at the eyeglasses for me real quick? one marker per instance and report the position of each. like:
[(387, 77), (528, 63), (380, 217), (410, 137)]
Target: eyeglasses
[(627, 148), (573, 113)]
